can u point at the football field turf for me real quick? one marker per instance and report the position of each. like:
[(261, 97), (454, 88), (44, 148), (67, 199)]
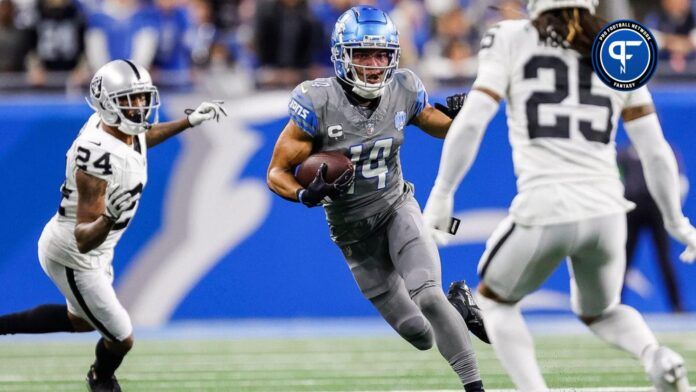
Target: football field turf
[(317, 364)]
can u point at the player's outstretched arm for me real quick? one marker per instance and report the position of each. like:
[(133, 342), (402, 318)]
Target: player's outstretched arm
[(163, 131), (458, 153), (92, 225), (661, 173), (434, 122), (292, 148)]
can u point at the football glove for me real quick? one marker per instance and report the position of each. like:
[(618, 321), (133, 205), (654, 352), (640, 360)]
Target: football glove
[(438, 216), (319, 190), (454, 105), (684, 232), (118, 202), (205, 111)]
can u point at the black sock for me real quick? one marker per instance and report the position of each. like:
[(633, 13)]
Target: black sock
[(107, 361), (476, 386), (41, 319)]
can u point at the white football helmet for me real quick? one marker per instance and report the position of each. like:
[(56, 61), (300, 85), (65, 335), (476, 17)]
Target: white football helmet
[(538, 7), (115, 91)]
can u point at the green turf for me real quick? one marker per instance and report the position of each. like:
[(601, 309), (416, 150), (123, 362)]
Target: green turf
[(326, 364)]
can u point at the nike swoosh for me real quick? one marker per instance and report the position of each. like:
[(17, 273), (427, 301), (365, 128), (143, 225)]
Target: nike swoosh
[(304, 90), (98, 144)]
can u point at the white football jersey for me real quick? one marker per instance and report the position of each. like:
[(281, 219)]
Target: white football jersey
[(103, 156), (562, 124)]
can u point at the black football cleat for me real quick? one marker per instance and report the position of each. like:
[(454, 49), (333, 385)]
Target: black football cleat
[(459, 295), (95, 385)]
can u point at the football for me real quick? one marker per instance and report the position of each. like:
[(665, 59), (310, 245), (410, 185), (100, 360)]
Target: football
[(337, 164)]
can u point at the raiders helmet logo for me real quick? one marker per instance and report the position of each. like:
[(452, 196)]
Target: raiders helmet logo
[(95, 87)]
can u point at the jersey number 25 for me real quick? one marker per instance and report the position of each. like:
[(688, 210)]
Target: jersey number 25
[(561, 91)]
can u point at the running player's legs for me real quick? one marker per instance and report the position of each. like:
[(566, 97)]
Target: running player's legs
[(374, 274), (517, 260), (90, 297), (597, 272), (416, 260)]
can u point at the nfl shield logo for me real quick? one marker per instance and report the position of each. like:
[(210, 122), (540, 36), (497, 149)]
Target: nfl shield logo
[(370, 126), (400, 120)]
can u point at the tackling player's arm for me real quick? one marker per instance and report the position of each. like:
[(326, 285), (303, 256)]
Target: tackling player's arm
[(92, 226), (205, 111), (661, 173), (465, 135), (292, 147)]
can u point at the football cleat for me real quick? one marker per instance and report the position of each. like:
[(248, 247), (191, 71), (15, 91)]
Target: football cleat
[(667, 372), (95, 385), (459, 295)]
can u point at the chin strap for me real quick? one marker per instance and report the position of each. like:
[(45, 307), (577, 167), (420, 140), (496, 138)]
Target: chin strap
[(368, 94)]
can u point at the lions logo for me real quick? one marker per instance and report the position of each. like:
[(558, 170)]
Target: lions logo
[(95, 87), (400, 120)]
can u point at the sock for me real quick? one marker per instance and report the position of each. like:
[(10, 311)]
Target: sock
[(513, 344), (476, 386), (623, 327), (464, 364), (451, 335), (41, 319), (107, 361)]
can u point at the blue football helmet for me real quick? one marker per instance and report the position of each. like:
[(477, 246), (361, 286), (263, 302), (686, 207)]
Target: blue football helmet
[(364, 27)]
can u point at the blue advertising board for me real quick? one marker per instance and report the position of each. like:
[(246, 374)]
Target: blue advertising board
[(210, 241)]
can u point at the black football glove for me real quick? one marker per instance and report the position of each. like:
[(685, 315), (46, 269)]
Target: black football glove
[(319, 190), (454, 105)]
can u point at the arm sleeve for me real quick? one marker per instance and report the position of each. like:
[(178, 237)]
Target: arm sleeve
[(421, 98), (493, 69), (301, 111), (659, 165), (463, 140)]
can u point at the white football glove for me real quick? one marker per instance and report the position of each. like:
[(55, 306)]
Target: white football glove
[(438, 214), (684, 232), (118, 202), (206, 111)]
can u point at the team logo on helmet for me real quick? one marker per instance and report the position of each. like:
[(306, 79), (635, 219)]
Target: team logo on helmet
[(95, 87), (624, 55)]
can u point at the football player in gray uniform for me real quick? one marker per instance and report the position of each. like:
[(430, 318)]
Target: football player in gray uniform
[(106, 170), (372, 214)]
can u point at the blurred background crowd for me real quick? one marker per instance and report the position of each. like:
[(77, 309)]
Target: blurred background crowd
[(234, 46)]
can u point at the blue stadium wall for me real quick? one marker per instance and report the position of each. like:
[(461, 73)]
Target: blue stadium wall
[(210, 241)]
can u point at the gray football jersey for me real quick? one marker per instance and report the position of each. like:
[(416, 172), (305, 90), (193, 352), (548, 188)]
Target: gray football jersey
[(321, 108)]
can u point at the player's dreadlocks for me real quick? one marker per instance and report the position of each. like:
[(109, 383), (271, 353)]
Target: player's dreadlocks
[(573, 28)]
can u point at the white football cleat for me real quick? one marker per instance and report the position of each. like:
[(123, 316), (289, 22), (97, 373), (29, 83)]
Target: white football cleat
[(667, 372)]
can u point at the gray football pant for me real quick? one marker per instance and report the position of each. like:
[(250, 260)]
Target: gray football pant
[(398, 269)]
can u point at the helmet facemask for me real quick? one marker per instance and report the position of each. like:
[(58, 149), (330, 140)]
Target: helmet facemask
[(369, 78), (132, 109)]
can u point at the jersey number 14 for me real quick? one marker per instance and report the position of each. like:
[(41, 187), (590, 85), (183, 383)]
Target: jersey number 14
[(376, 164)]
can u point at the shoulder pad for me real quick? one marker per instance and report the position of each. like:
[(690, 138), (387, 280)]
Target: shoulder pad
[(301, 108)]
